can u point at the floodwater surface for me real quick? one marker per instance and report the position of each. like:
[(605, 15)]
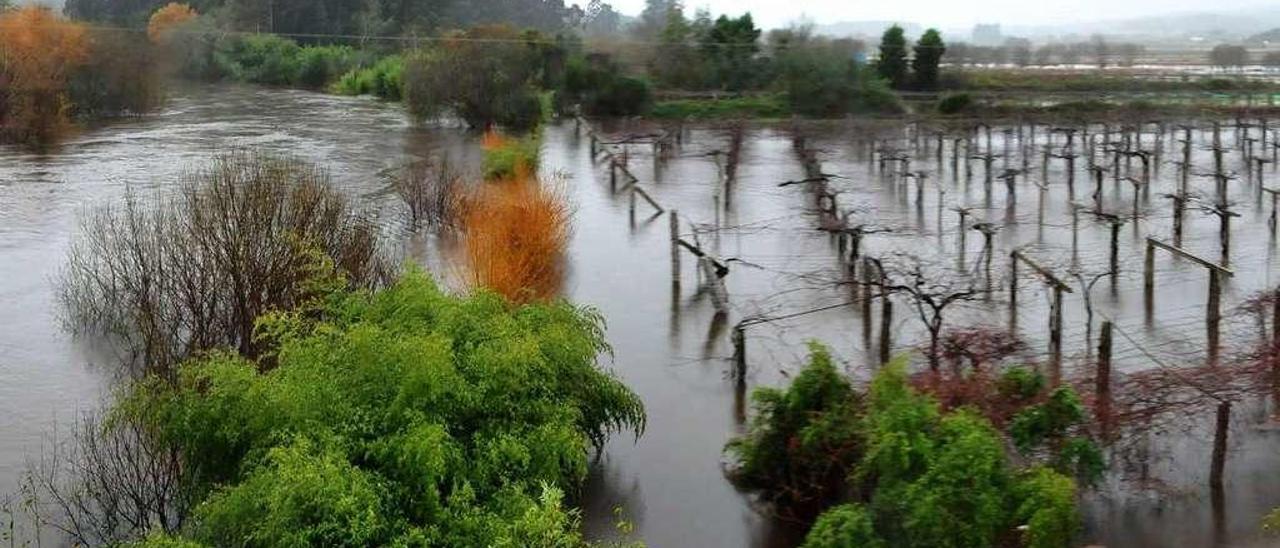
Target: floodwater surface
[(669, 343)]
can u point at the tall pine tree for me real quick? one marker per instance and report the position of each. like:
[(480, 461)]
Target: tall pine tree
[(928, 52), (892, 65)]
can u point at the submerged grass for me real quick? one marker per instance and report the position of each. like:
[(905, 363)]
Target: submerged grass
[(509, 158), (764, 106)]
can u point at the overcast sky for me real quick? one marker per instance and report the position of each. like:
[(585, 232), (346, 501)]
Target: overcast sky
[(949, 13)]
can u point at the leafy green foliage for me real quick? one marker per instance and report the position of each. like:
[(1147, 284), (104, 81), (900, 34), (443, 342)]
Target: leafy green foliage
[(927, 478), (1047, 506), (1271, 522), (510, 158), (258, 59), (805, 439), (827, 82), (320, 65), (1020, 384), (485, 76), (960, 499), (405, 416), (729, 48), (955, 103), (844, 526), (1049, 424), (892, 64), (599, 86), (385, 79)]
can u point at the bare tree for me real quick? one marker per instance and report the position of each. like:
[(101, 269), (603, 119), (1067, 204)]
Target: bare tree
[(931, 291), (175, 275), (110, 482), (431, 190)]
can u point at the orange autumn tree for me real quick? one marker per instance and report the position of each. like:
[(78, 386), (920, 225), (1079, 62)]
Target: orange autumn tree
[(38, 52), (164, 20)]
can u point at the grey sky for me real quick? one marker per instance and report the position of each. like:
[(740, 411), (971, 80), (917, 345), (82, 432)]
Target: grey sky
[(950, 13)]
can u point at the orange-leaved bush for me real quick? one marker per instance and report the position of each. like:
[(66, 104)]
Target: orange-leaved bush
[(39, 51), (516, 231), (164, 20)]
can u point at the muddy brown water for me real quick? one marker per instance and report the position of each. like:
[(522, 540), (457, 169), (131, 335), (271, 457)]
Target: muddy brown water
[(670, 346)]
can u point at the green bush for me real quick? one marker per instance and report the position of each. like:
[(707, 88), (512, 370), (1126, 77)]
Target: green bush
[(259, 59), (955, 103), (598, 85), (1020, 384), (508, 159), (320, 65), (929, 478), (802, 439), (403, 417), (845, 526), (825, 82), (1047, 505), (385, 79), (485, 77)]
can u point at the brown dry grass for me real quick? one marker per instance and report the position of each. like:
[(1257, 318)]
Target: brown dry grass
[(516, 231)]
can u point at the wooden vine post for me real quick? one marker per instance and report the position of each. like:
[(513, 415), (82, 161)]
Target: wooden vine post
[(1058, 287), (1213, 306)]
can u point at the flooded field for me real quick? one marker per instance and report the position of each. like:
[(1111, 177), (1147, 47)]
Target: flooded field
[(785, 276)]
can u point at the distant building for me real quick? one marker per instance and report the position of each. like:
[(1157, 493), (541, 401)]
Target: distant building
[(987, 35)]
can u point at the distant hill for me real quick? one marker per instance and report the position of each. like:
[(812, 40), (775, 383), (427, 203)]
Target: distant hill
[(1236, 24), (1272, 37)]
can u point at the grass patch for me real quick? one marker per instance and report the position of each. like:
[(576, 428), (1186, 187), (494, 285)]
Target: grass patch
[(384, 79), (509, 158), (763, 106)]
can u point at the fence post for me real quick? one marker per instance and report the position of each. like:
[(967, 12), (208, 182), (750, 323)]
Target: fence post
[(675, 248)]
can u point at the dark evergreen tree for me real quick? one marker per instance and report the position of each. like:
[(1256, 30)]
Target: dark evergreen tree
[(929, 51), (892, 65), (730, 47)]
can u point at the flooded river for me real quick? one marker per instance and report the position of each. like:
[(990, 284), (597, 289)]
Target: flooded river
[(669, 344)]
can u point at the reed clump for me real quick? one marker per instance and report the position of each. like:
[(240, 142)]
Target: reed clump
[(516, 233)]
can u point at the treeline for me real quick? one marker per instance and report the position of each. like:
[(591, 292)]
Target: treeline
[(1021, 52), (363, 19), (1228, 56)]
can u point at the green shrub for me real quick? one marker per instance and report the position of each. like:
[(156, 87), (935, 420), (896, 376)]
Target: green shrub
[(844, 526), (955, 103), (934, 479), (320, 65), (802, 439), (598, 85), (1047, 506), (1020, 384), (510, 158), (385, 79), (259, 59), (404, 417), (485, 77), (825, 82)]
